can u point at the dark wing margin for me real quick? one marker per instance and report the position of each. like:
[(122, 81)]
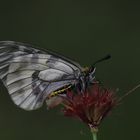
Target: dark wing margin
[(30, 74)]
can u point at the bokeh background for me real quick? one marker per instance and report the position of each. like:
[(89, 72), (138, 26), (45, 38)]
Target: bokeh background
[(83, 30)]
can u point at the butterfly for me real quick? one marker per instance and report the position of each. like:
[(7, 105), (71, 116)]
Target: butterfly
[(33, 76)]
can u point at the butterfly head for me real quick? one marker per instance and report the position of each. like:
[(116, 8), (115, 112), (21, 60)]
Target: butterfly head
[(86, 78), (89, 73)]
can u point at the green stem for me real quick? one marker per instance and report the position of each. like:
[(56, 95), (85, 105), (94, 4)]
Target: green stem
[(94, 133)]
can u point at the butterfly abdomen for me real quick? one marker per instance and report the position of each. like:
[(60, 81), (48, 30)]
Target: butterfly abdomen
[(60, 91)]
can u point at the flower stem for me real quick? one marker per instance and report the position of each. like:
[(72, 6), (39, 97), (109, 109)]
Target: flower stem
[(94, 133), (94, 136)]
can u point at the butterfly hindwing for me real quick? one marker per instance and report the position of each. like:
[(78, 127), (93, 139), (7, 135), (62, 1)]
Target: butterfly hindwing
[(30, 75)]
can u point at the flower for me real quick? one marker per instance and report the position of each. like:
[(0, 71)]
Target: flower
[(92, 106)]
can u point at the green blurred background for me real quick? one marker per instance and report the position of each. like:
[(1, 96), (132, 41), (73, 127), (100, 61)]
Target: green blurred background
[(84, 30)]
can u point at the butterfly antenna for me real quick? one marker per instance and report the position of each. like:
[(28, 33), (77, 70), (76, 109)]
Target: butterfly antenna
[(102, 59), (98, 61)]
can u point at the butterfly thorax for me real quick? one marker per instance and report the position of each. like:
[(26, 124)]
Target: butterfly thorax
[(82, 80)]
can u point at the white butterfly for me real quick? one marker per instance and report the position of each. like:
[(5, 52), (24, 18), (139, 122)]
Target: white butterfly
[(32, 76)]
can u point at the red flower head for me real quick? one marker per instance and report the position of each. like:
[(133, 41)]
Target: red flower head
[(90, 107)]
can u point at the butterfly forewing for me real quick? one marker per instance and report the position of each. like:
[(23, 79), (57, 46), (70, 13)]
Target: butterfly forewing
[(30, 74)]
